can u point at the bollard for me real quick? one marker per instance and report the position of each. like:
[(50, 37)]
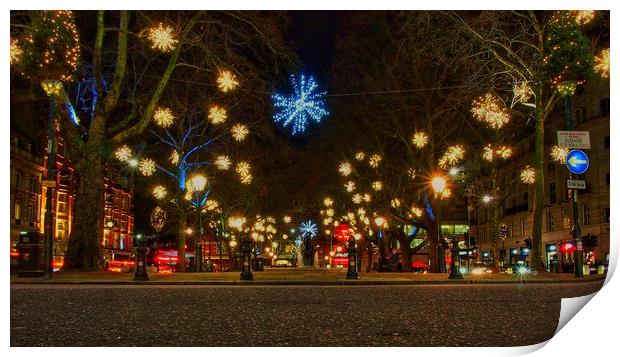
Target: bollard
[(141, 273)]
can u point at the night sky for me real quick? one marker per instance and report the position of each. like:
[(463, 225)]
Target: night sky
[(313, 34)]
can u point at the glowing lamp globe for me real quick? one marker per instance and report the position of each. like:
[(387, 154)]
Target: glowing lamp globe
[(439, 184), (197, 183)]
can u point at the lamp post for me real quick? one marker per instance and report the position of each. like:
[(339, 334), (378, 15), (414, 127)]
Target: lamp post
[(455, 268), (352, 272), (141, 273), (197, 184), (439, 185), (246, 248), (567, 89), (51, 88)]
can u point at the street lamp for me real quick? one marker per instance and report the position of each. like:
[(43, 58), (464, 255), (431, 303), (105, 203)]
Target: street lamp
[(487, 198), (380, 222), (439, 185), (141, 273), (246, 249), (197, 184)]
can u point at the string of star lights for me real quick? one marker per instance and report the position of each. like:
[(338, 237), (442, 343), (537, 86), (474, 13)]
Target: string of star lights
[(227, 81), (146, 167), (123, 153), (328, 202), (601, 63), (559, 153), (489, 153), (163, 117), (217, 115), (420, 139), (453, 156), (243, 169), (222, 162), (51, 47), (489, 110), (303, 105), (162, 38), (159, 192), (239, 132), (528, 175)]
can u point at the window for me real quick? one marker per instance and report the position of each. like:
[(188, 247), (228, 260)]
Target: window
[(607, 179), (552, 193), (18, 179), (607, 142), (31, 217), (523, 227), (62, 202), (525, 199), (550, 166), (580, 115), (603, 106), (33, 184), (550, 222), (17, 211), (585, 214)]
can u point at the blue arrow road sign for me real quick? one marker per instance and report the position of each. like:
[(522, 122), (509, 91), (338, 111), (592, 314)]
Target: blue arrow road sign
[(577, 162)]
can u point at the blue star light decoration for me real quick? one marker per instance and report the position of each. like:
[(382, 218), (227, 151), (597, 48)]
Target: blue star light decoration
[(304, 104), (308, 229)]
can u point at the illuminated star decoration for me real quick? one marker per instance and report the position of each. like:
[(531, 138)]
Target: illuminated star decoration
[(217, 115), (174, 157), (243, 169), (350, 186), (308, 229), (559, 153), (328, 201), (16, 52), (239, 132), (489, 109), (123, 153), (147, 167), (522, 92), (345, 169), (582, 17), (420, 139), (360, 156), (222, 162), (528, 175), (227, 81), (158, 219), (300, 106), (375, 160), (161, 38), (601, 63), (163, 117), (159, 192), (453, 155)]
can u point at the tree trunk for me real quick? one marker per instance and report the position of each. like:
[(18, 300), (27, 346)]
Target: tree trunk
[(405, 249), (84, 246), (181, 239), (536, 261), (432, 249), (369, 253)]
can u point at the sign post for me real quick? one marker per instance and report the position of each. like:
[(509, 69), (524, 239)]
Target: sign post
[(574, 139)]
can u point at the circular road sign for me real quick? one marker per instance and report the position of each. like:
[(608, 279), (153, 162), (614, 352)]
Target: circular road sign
[(577, 162)]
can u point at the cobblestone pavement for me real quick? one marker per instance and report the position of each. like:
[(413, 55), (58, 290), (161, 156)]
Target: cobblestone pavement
[(422, 315)]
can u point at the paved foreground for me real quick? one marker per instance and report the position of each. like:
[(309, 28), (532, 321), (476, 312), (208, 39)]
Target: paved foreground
[(418, 315)]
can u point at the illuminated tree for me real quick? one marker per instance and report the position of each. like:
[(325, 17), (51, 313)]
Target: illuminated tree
[(147, 60), (543, 49)]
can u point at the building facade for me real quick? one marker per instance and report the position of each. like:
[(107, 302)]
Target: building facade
[(28, 193), (590, 113)]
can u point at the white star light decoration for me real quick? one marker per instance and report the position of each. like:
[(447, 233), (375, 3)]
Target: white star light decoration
[(308, 229), (304, 104)]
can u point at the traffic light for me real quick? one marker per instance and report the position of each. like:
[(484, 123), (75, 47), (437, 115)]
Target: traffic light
[(528, 243)]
